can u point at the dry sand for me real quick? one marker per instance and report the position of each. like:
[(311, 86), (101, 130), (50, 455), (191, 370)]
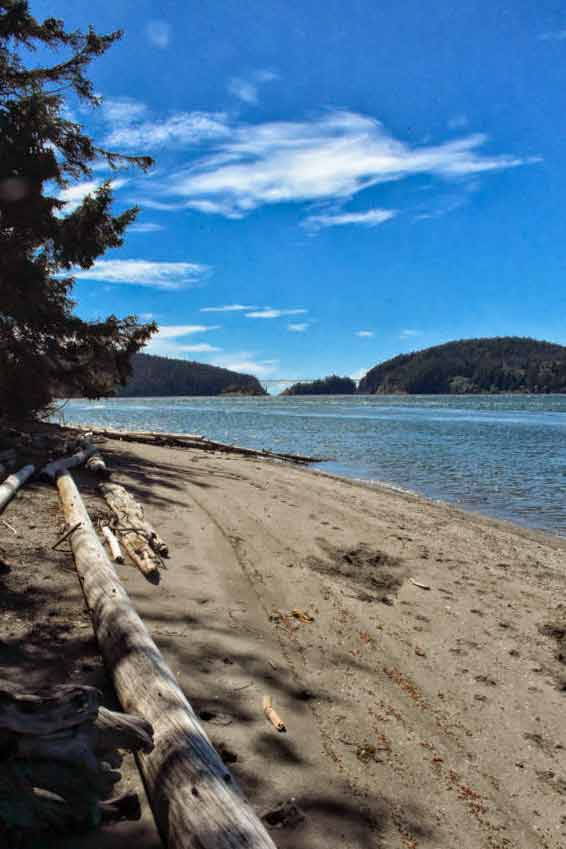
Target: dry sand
[(430, 718)]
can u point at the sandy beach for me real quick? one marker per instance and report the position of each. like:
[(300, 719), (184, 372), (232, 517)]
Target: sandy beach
[(402, 641)]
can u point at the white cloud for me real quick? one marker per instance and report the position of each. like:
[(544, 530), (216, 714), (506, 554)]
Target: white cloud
[(244, 362), (158, 33), (298, 328), (556, 35), (268, 312), (457, 122), (141, 272), (332, 157), (408, 334), (360, 373), (145, 227), (246, 89), (243, 90), (168, 341), (122, 110), (228, 308), (364, 333), (371, 218), (183, 128), (73, 196)]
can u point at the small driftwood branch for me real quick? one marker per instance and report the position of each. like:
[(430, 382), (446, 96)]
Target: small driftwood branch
[(272, 714), (65, 536), (419, 584), (57, 467), (113, 544), (11, 485)]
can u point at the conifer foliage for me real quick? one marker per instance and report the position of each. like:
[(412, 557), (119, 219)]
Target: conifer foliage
[(46, 350)]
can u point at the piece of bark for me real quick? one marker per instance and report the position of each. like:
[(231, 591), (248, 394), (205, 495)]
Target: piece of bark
[(113, 545), (194, 798), (12, 483), (57, 467), (130, 515)]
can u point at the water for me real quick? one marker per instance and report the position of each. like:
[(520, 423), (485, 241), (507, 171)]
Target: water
[(501, 455)]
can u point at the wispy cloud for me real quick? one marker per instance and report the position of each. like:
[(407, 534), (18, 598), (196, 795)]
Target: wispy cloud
[(370, 218), (357, 376), (168, 341), (141, 272), (327, 158), (554, 35), (73, 196), (158, 33), (268, 312), (298, 328), (246, 88), (409, 334), (364, 333), (245, 362), (145, 227), (182, 128), (228, 308), (122, 110)]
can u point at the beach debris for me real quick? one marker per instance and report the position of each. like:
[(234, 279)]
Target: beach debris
[(12, 483), (62, 743), (97, 466), (10, 527), (186, 781), (301, 615), (272, 715), (419, 584), (51, 471), (66, 535), (113, 544), (130, 515)]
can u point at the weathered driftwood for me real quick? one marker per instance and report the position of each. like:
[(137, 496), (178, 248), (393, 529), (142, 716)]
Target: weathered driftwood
[(141, 556), (113, 544), (130, 515), (182, 440), (63, 743), (97, 466), (194, 798), (56, 467), (12, 483)]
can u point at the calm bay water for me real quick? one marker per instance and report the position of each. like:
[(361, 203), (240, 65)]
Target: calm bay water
[(502, 455)]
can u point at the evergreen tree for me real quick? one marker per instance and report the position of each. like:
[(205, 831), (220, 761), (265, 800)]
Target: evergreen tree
[(46, 350)]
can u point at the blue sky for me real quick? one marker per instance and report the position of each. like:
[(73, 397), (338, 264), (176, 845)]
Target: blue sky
[(335, 183)]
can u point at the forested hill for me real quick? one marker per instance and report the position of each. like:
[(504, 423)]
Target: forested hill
[(160, 376), (501, 364), (332, 385)]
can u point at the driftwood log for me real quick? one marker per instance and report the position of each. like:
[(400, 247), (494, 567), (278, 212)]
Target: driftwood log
[(194, 797), (97, 466), (184, 440), (12, 483), (63, 744), (56, 467)]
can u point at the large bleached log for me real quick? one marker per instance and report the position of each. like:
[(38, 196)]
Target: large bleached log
[(56, 467), (113, 544), (12, 483), (194, 798), (97, 466), (130, 515)]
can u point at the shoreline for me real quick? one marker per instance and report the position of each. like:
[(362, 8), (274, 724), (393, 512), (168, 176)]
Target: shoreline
[(402, 642)]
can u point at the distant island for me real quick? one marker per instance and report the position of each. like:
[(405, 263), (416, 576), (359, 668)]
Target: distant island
[(331, 385), (159, 376), (472, 366)]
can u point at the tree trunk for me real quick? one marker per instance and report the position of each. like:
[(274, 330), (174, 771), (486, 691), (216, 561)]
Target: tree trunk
[(195, 800), (55, 468), (11, 485)]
